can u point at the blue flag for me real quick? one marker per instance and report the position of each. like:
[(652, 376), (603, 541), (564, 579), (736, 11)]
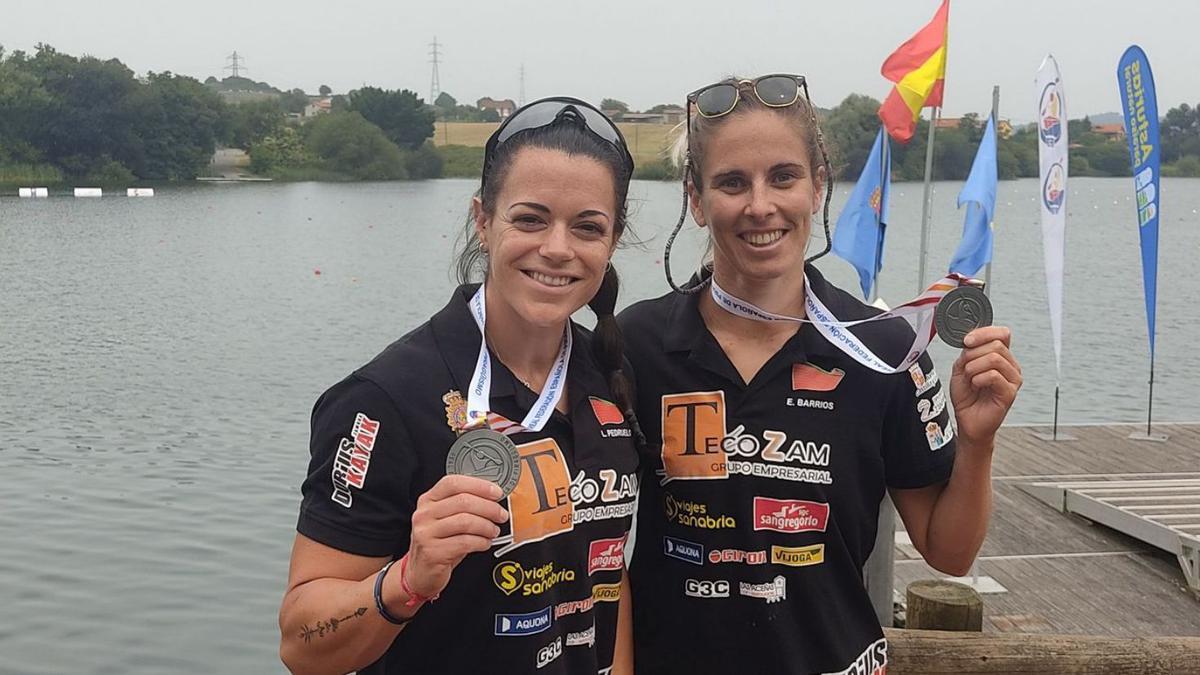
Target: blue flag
[(1141, 129), (858, 238), (979, 194)]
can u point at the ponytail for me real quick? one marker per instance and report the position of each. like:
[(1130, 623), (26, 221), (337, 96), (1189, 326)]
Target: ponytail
[(609, 350)]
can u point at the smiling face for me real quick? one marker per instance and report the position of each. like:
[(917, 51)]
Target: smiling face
[(549, 235), (758, 194)]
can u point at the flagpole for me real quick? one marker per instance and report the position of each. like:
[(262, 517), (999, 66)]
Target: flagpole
[(879, 571), (885, 160), (987, 270), (925, 203)]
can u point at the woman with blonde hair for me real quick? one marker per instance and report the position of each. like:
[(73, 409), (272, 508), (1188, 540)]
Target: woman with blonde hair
[(775, 422)]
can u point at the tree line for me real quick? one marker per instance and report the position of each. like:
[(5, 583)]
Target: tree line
[(66, 118), (850, 129), (82, 118)]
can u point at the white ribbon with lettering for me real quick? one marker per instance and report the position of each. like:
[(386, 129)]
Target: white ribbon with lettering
[(478, 407), (833, 330)]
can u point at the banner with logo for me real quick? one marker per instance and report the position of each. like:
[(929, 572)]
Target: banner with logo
[(1141, 130), (1052, 174)]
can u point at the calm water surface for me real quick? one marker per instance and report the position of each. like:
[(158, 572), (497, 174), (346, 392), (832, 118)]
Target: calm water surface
[(159, 359)]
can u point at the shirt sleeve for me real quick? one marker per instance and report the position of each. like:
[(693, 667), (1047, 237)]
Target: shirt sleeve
[(918, 433), (357, 496)]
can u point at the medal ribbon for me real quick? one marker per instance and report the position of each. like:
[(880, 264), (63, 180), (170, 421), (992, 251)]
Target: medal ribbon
[(478, 407), (833, 330)]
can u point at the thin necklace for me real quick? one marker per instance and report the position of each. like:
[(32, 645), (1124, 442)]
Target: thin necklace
[(500, 357)]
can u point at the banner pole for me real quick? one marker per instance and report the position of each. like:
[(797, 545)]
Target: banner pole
[(1150, 406), (1056, 411), (933, 116)]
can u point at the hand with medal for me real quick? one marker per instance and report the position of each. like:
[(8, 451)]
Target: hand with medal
[(458, 516), (984, 384)]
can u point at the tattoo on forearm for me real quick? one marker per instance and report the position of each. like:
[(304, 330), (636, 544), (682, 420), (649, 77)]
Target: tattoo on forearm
[(324, 628)]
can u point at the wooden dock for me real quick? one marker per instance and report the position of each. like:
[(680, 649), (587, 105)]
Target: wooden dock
[(1062, 573)]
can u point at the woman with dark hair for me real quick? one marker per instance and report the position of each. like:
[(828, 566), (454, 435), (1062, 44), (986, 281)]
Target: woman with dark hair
[(778, 409), (471, 488)]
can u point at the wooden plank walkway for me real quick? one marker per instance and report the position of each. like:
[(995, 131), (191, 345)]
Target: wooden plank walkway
[(1063, 573)]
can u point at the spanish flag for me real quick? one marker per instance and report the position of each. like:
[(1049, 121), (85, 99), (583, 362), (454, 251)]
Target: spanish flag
[(918, 68)]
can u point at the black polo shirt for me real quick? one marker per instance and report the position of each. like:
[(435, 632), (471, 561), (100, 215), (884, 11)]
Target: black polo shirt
[(759, 501), (544, 598)]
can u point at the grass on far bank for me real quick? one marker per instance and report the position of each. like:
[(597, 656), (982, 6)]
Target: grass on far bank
[(30, 175)]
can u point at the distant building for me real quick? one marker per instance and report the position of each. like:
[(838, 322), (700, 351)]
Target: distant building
[(503, 107), (643, 118), (318, 106), (1112, 132), (673, 114)]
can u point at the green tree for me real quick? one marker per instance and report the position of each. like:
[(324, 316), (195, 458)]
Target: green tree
[(91, 119), (25, 107), (424, 162), (953, 154), (347, 143), (324, 90), (402, 115), (850, 129), (248, 123), (294, 101), (282, 149), (446, 104), (1022, 146), (616, 109), (1188, 167), (1180, 131), (1077, 128), (971, 127), (178, 123)]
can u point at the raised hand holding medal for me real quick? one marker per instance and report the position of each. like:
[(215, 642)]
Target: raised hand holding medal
[(986, 376), (441, 536)]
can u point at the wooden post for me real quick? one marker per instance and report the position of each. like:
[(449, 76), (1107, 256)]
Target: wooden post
[(934, 604), (927, 652)]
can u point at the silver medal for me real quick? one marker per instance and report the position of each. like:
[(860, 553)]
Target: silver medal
[(961, 311), (486, 454)]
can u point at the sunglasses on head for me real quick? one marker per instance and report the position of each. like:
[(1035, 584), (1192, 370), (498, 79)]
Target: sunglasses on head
[(547, 111), (777, 90)]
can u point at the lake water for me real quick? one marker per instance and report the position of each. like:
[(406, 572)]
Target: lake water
[(159, 359)]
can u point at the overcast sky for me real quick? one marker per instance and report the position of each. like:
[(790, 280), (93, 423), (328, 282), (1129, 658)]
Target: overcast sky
[(643, 53)]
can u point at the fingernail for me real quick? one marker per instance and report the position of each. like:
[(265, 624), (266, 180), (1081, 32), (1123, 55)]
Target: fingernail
[(497, 493), (505, 517)]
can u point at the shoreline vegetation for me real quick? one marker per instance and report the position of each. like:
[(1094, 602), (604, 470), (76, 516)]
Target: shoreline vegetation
[(68, 120)]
